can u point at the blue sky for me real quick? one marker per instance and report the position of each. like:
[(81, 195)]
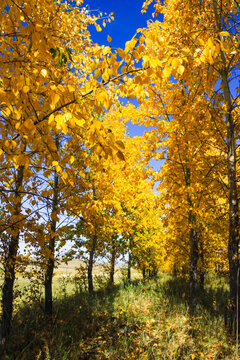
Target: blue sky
[(127, 19)]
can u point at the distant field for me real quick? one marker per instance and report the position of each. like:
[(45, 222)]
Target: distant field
[(67, 277)]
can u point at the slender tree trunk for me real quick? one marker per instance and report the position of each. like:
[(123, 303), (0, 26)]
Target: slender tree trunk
[(9, 277), (90, 265), (51, 245), (202, 281), (49, 276), (202, 268), (144, 272), (175, 272), (129, 261), (194, 286), (112, 261), (233, 241)]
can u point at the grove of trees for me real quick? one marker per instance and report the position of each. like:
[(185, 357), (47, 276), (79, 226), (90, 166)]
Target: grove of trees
[(71, 173)]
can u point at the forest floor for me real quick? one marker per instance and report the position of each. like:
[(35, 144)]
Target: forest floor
[(141, 320)]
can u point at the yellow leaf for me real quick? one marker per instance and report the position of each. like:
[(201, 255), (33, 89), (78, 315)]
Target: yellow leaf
[(71, 88), (26, 89), (64, 176), (38, 26), (18, 114), (121, 53), (155, 62), (80, 122), (97, 149), (57, 166), (17, 125), (108, 151), (92, 139), (51, 119), (180, 69), (224, 33), (120, 155), (55, 98), (167, 72), (72, 159), (43, 72), (7, 111), (81, 173), (164, 26), (175, 62), (210, 42), (97, 73), (123, 69), (101, 96), (120, 144), (109, 39), (105, 76), (28, 124)]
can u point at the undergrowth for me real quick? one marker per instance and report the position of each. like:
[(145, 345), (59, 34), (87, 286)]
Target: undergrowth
[(141, 320)]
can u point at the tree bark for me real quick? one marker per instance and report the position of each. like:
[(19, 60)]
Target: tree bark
[(9, 277), (112, 261), (51, 246), (202, 271), (194, 286), (129, 261), (90, 265), (233, 241)]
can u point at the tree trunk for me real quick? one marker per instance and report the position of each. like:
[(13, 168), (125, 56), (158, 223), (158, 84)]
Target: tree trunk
[(233, 219), (202, 271), (90, 265), (194, 286), (144, 272), (112, 262), (9, 277), (233, 241), (129, 262), (48, 282), (51, 247)]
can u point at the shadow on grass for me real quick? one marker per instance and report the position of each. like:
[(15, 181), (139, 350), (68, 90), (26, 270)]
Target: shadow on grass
[(88, 328), (213, 298), (78, 324)]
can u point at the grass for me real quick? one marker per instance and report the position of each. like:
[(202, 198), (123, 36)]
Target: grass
[(141, 320)]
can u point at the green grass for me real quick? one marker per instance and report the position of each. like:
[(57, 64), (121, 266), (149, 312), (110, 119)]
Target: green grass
[(141, 320)]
